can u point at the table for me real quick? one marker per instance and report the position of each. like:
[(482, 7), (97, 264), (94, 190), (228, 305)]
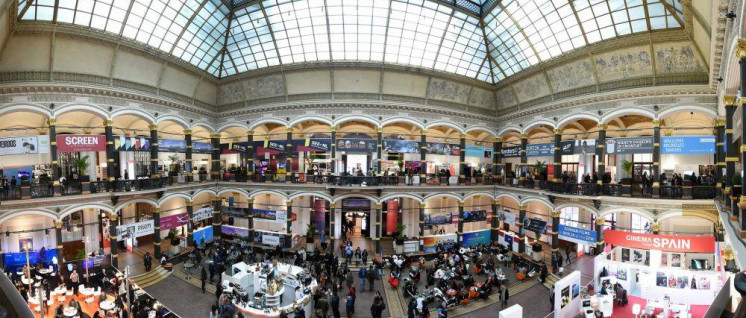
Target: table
[(45, 271), (26, 281), (106, 305), (33, 300), (188, 266), (70, 311), (87, 291)]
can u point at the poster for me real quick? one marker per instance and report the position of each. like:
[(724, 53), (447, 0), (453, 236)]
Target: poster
[(269, 238), (319, 215), (430, 243), (510, 152), (700, 282), (81, 143), (313, 145), (202, 214), (540, 150), (438, 218), (234, 231), (134, 230), (688, 145), (477, 151), (621, 273), (356, 145), (172, 145), (18, 145), (508, 218), (565, 296), (105, 234), (276, 216), (474, 216), (578, 147), (442, 149), (675, 260), (577, 235), (535, 224), (669, 243), (202, 147), (401, 146), (629, 145), (575, 291), (470, 239), (664, 259), (123, 143), (174, 221), (203, 235), (625, 255)]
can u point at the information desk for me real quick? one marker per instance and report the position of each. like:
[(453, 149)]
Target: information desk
[(260, 290)]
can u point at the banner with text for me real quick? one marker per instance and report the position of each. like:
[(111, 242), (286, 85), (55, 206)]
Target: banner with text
[(688, 145), (510, 152), (19, 145), (174, 221), (234, 231), (81, 143), (540, 150), (470, 239), (124, 143), (629, 145), (666, 243), (134, 230), (202, 147), (578, 147), (401, 146), (577, 235), (202, 214)]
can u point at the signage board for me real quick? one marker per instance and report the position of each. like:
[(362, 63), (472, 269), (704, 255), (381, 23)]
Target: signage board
[(134, 230), (688, 145), (470, 239), (577, 235), (540, 150), (202, 147), (666, 243), (19, 145), (123, 143), (535, 225), (578, 147), (314, 145), (430, 243), (202, 214), (81, 143), (234, 231), (172, 145), (401, 146), (629, 145), (510, 152), (174, 221), (356, 145)]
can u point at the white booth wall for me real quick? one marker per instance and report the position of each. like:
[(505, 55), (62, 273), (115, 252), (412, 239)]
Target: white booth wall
[(682, 163), (26, 223)]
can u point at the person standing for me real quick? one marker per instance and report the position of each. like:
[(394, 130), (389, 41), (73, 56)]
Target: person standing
[(362, 274), (335, 305), (568, 252), (365, 257), (147, 260), (504, 296), (371, 275), (376, 309), (350, 306), (203, 278)]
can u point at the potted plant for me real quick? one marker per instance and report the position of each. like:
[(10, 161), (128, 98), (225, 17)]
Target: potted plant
[(173, 238), (539, 168), (627, 167), (310, 242), (81, 164)]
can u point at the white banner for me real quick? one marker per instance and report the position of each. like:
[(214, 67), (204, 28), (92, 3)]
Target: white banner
[(19, 145), (268, 239), (202, 214), (135, 230), (281, 216), (42, 141)]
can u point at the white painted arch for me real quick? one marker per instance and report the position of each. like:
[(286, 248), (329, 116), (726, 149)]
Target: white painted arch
[(398, 119), (176, 119), (536, 123), (171, 196), (627, 111), (32, 108), (96, 206), (321, 119), (448, 124), (641, 212), (122, 205), (392, 196), (356, 195), (315, 194), (37, 212), (134, 112), (441, 195), (712, 113), (367, 119), (575, 117), (87, 108), (242, 192)]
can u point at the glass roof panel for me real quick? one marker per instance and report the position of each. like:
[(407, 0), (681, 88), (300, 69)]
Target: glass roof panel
[(444, 35)]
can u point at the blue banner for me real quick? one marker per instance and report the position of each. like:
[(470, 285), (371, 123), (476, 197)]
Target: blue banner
[(234, 231), (688, 145), (510, 152), (12, 261), (401, 146), (540, 150), (577, 235), (172, 145), (476, 151), (470, 239), (203, 235), (202, 147)]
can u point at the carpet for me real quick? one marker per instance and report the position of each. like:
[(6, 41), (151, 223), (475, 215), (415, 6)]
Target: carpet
[(697, 311)]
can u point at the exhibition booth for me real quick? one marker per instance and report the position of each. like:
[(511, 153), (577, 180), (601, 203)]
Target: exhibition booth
[(668, 273)]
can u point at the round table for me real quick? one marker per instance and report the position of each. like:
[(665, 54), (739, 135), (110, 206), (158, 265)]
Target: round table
[(45, 271), (106, 305), (33, 300), (188, 266), (26, 281), (70, 311), (87, 291)]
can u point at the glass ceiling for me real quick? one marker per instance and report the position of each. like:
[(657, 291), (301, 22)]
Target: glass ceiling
[(484, 39)]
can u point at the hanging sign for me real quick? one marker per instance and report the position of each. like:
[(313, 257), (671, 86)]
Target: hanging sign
[(577, 235), (202, 214), (134, 230), (666, 243), (629, 145), (81, 143), (18, 145), (174, 221), (688, 145)]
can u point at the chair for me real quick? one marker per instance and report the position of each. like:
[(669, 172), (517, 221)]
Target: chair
[(69, 292)]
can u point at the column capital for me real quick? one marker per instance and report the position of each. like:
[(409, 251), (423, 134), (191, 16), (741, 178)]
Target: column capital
[(215, 136), (250, 201), (113, 217), (602, 126), (157, 210), (498, 139), (656, 227), (58, 224), (729, 100), (187, 131), (462, 136), (378, 206), (600, 221), (558, 131), (422, 205), (334, 128), (108, 122), (332, 206), (720, 122), (290, 129), (523, 207), (289, 203), (189, 202), (379, 129), (51, 121), (524, 136), (249, 133), (656, 123), (741, 49), (153, 127), (497, 201), (556, 214)]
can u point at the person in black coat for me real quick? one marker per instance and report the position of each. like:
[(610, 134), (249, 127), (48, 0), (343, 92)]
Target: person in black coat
[(335, 305), (203, 278)]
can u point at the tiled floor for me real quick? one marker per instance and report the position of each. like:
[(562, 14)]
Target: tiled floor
[(184, 299), (535, 303)]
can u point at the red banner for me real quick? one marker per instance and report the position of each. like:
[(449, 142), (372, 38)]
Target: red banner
[(392, 216), (81, 143), (667, 243)]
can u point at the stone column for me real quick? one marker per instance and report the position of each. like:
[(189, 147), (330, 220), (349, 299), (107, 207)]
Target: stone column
[(332, 224), (462, 161), (157, 238), (289, 224), (379, 148), (521, 230), (599, 235), (188, 161), (555, 231), (215, 157), (600, 154), (153, 151), (422, 219), (250, 156), (217, 221), (656, 158), (720, 155), (250, 208), (498, 159), (333, 167), (423, 157), (495, 234), (289, 156), (731, 151), (111, 170), (557, 169), (190, 225), (524, 160), (113, 243), (53, 152), (377, 236), (460, 229), (58, 237)]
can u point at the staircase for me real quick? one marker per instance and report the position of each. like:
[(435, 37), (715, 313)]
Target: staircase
[(151, 278), (551, 279)]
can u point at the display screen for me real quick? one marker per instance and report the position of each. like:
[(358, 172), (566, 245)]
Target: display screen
[(698, 264)]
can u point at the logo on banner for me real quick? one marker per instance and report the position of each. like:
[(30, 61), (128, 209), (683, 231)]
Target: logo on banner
[(668, 243), (18, 145), (80, 143)]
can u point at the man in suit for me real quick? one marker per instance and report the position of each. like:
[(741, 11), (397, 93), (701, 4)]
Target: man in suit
[(203, 278)]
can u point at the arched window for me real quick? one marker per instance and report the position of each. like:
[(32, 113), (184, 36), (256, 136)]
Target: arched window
[(570, 216)]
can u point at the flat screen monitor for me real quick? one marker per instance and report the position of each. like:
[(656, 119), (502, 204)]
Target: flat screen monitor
[(699, 264)]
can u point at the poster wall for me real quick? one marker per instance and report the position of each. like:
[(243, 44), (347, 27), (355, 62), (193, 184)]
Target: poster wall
[(21, 145), (203, 235), (269, 238), (319, 215), (202, 214), (430, 243), (470, 239), (668, 243)]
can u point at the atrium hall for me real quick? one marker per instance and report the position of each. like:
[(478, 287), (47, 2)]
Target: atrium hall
[(372, 158)]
